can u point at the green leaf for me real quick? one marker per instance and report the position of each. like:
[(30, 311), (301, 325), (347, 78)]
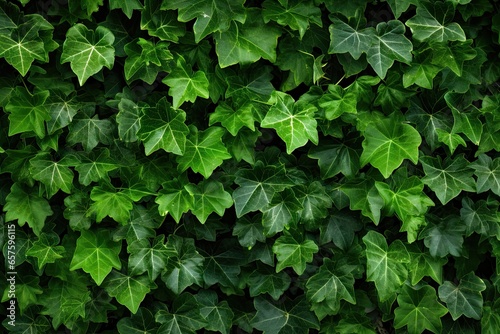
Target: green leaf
[(364, 196), (129, 120), (387, 143), (452, 140), (315, 202), (349, 37), (449, 177), (209, 196), (204, 151), (89, 130), (487, 171), (431, 23), (452, 55), (184, 84), (281, 212), (108, 202), (468, 124), (464, 299), (162, 127), (292, 317), (88, 51), (161, 23), (340, 229), (445, 237), (423, 264), (142, 224), (293, 121), (128, 291), (296, 14), (27, 289), (419, 309), (96, 254), (249, 230), (294, 251), (233, 120), (398, 7), (211, 16), (145, 59), (94, 166), (46, 249), (264, 280), (127, 6), (218, 315), (27, 111), (54, 175), (174, 198), (246, 43), (479, 218), (62, 109), (331, 285), (223, 266), (183, 318), (27, 206), (386, 266), (337, 101), (336, 157), (185, 268), (150, 257), (143, 322)]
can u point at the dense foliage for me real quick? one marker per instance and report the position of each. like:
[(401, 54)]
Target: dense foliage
[(278, 166)]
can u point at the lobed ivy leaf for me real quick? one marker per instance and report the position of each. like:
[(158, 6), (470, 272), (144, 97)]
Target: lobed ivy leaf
[(249, 231), (264, 280), (28, 112), (109, 202), (445, 237), (55, 175), (294, 251), (174, 198), (184, 316), (363, 195), (218, 315), (424, 264), (161, 23), (94, 166), (209, 196), (127, 6), (46, 249), (87, 129), (27, 289), (282, 212), (464, 299), (141, 322), (150, 257), (349, 37), (146, 59), (487, 171), (336, 157), (231, 119)]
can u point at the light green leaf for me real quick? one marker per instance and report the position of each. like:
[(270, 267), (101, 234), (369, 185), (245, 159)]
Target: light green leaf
[(387, 143), (468, 124), (150, 257), (464, 299), (423, 264), (293, 121), (88, 51), (128, 291), (27, 289), (145, 59), (453, 55), (184, 84), (386, 266), (46, 249), (209, 196), (233, 120), (282, 212), (96, 254), (419, 310), (337, 101), (452, 140), (27, 111), (129, 120), (246, 43), (54, 175), (174, 198), (109, 202), (27, 206), (162, 127), (62, 109), (294, 251)]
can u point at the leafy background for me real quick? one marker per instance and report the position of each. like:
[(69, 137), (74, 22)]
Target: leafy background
[(282, 166)]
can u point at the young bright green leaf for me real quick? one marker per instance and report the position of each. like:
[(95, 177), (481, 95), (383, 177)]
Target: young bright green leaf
[(27, 206), (204, 151), (211, 16), (163, 127), (184, 317), (46, 249), (146, 59), (444, 238), (452, 140), (27, 111), (54, 175), (293, 251), (96, 254), (185, 268), (109, 202), (150, 257), (209, 196), (387, 143), (488, 174), (419, 310), (88, 51), (386, 265), (293, 121), (128, 291), (296, 14), (246, 43), (141, 322), (184, 84), (291, 317), (265, 280), (174, 198), (431, 23), (464, 299), (337, 101), (218, 315), (233, 120), (447, 178)]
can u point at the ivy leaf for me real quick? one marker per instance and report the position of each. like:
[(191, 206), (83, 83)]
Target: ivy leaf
[(423, 264), (88, 51), (223, 266), (161, 23), (249, 230), (233, 120), (315, 202), (128, 119), (295, 14), (464, 299), (27, 289), (54, 175), (89, 130), (94, 166), (145, 59), (449, 177), (337, 101), (27, 206), (293, 121), (431, 23), (184, 317), (387, 143), (46, 249), (349, 37), (162, 127), (211, 16), (128, 291), (386, 265), (340, 229), (292, 317), (184, 84), (398, 7), (209, 196), (62, 109), (96, 254), (174, 198), (204, 151), (141, 322), (27, 111), (218, 315), (127, 6), (468, 124), (294, 251), (453, 55), (331, 285), (419, 310), (246, 43), (365, 197), (108, 202), (150, 257), (281, 212), (186, 267), (445, 237), (452, 140), (264, 280), (479, 218), (142, 225), (336, 157), (487, 171)]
